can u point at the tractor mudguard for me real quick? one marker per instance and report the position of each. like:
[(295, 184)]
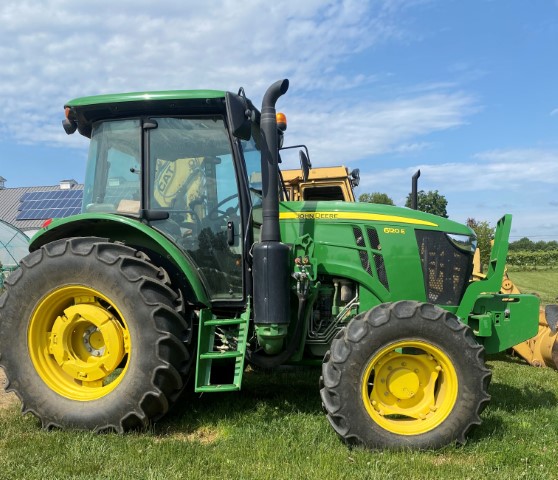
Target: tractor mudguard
[(132, 232)]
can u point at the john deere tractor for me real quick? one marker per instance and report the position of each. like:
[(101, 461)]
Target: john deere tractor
[(184, 265)]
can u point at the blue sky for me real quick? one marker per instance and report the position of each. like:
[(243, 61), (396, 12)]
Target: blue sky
[(465, 91)]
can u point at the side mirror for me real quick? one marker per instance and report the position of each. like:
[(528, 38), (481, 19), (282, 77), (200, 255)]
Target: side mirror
[(355, 177), (238, 116), (304, 165)]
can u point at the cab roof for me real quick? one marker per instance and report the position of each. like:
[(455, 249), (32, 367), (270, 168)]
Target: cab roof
[(144, 96), (85, 111)]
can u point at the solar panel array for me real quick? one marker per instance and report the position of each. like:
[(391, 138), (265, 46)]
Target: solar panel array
[(125, 190), (51, 204)]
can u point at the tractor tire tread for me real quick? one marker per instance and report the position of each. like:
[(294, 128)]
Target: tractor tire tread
[(363, 327), (169, 330)]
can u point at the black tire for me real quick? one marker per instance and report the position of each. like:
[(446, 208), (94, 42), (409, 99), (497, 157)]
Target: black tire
[(81, 300), (404, 375)]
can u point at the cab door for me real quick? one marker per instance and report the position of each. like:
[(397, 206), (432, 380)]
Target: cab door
[(192, 176)]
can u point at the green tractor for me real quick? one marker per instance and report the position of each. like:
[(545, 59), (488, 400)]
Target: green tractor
[(184, 265)]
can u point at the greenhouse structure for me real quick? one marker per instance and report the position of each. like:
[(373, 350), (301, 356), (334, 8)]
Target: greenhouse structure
[(13, 247)]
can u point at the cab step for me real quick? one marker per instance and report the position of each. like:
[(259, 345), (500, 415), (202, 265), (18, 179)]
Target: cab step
[(221, 352)]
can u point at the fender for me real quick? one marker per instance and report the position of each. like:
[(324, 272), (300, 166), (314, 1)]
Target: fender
[(134, 233)]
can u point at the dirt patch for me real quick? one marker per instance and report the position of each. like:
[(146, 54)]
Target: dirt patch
[(6, 399), (203, 435)]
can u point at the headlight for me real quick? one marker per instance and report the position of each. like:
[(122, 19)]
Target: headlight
[(467, 243)]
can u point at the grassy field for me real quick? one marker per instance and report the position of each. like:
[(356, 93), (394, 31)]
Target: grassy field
[(275, 429), (542, 282)]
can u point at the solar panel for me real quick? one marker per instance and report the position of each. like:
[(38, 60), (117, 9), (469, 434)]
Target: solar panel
[(128, 190), (49, 204)]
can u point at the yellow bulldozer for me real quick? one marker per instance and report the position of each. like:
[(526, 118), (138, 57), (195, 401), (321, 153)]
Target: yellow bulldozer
[(337, 183)]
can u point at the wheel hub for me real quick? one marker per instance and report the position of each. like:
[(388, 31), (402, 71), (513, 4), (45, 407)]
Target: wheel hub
[(79, 343), (87, 342), (403, 383), (93, 341), (409, 393)]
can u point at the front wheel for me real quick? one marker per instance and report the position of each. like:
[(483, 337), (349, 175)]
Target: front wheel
[(405, 375), (92, 336)]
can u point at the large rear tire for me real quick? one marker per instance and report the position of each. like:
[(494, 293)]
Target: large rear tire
[(405, 375), (93, 337)]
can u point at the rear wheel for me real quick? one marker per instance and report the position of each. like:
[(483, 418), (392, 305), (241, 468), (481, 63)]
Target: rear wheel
[(405, 375), (93, 337)]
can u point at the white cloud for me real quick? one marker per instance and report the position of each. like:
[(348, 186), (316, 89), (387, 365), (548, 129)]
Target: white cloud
[(62, 48), (56, 50), (554, 112), (341, 132), (495, 170)]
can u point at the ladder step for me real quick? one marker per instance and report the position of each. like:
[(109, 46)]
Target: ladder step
[(217, 322), (227, 366), (218, 388), (217, 355)]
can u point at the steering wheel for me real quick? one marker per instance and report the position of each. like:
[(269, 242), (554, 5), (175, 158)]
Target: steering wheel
[(217, 214)]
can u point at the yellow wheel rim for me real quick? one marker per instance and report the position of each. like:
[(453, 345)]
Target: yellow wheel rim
[(409, 387), (79, 343)]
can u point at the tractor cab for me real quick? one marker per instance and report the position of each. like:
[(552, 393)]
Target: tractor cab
[(185, 175)]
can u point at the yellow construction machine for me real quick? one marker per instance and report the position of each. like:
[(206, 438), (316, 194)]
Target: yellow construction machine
[(323, 183)]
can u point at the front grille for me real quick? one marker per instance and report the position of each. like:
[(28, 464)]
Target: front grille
[(446, 269)]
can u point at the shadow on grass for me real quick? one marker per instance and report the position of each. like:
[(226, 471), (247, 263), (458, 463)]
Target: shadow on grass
[(519, 393), (512, 399), (273, 394), (510, 405)]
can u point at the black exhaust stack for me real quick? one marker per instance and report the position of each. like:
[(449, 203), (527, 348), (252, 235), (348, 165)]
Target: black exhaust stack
[(270, 178), (270, 256), (414, 191)]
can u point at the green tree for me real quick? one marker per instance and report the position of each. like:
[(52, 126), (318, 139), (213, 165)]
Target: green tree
[(527, 245), (484, 233), (430, 202), (376, 197), (522, 244)]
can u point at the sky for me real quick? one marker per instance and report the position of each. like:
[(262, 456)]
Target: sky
[(465, 91)]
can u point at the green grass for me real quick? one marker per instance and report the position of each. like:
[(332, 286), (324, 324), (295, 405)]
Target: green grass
[(542, 282), (275, 429)]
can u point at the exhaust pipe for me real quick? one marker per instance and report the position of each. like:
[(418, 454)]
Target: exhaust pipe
[(414, 192), (270, 155), (270, 266)]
